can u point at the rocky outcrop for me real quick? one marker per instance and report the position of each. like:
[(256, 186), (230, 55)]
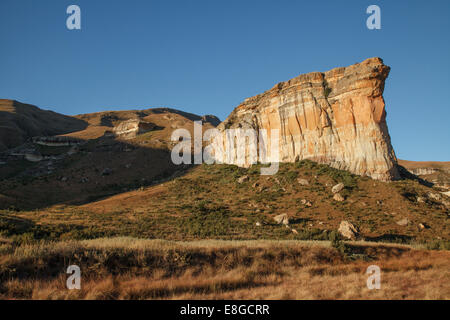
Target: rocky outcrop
[(422, 171), (131, 128), (34, 157), (57, 141), (337, 118), (348, 230)]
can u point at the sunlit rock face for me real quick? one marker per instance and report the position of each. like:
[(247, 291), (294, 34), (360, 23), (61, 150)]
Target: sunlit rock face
[(131, 128), (337, 118)]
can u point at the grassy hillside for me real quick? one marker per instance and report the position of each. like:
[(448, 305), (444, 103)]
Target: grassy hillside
[(437, 172), (79, 177), (19, 122), (208, 202)]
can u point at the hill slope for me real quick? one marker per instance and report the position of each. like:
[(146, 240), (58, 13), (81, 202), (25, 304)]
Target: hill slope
[(108, 185), (99, 164), (436, 172), (208, 202), (19, 122)]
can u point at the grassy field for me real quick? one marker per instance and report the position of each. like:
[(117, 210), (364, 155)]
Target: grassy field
[(205, 235), (128, 268)]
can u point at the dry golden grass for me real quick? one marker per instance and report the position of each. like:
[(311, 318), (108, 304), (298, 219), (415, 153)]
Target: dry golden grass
[(127, 268)]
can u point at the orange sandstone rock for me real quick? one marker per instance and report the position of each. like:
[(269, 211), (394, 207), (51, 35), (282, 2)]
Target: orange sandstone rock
[(337, 117)]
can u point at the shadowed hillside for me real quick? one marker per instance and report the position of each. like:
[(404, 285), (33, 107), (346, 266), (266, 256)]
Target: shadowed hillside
[(436, 172), (97, 161), (19, 122)]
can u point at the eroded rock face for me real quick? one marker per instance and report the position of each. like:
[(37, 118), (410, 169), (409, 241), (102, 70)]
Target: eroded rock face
[(57, 141), (131, 128), (422, 171), (337, 118)]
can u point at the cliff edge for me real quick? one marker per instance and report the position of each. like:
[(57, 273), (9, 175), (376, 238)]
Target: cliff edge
[(337, 118)]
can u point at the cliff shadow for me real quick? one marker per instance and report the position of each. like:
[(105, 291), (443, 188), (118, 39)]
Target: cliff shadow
[(407, 175)]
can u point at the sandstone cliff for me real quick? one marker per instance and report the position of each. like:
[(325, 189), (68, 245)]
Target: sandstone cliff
[(337, 117)]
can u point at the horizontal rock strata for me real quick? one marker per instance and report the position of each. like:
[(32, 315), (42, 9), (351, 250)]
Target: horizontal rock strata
[(337, 118), (131, 128)]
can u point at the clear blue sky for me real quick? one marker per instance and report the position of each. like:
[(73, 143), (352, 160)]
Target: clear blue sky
[(206, 56)]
